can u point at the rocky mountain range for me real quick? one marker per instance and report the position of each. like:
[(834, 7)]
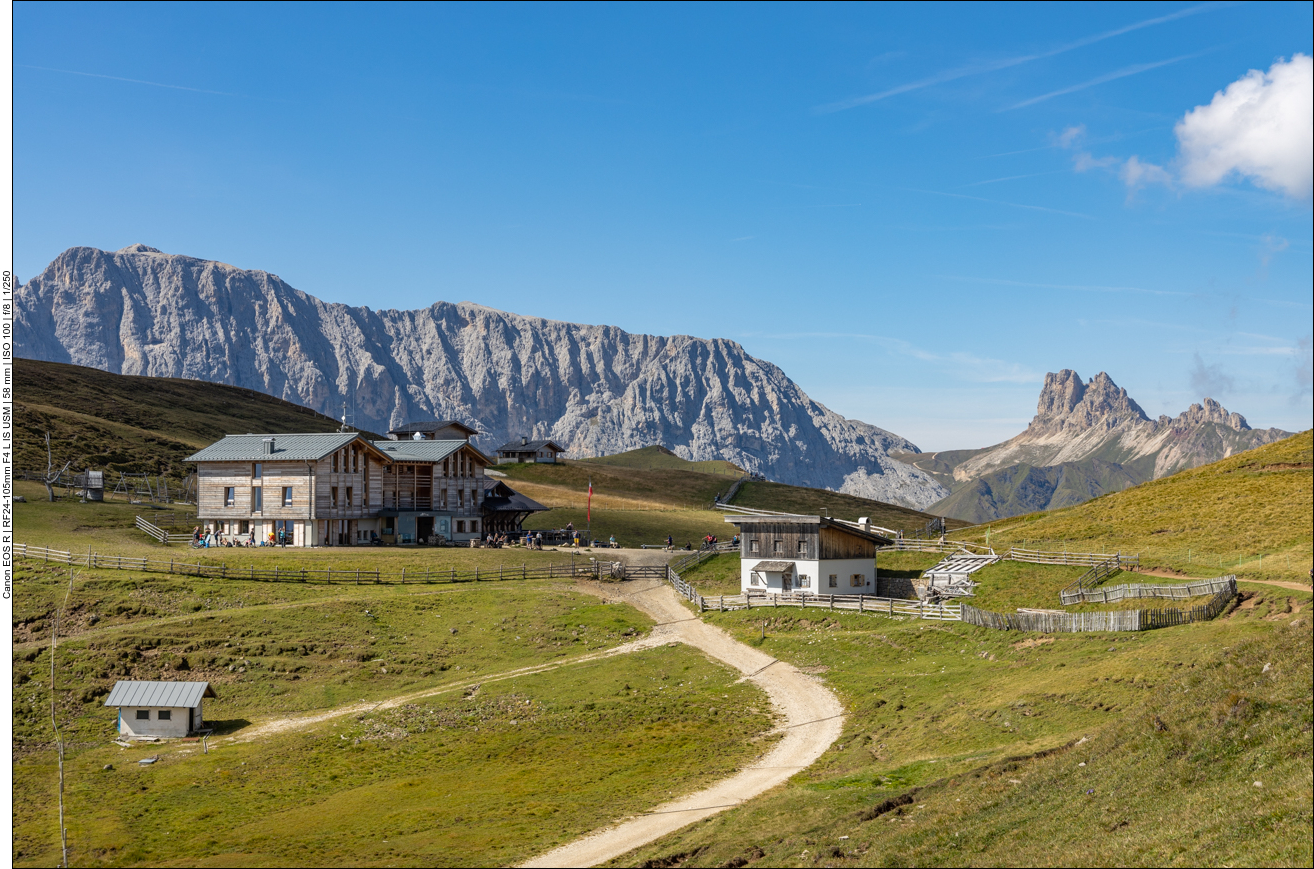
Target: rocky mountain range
[(1087, 438), (596, 390)]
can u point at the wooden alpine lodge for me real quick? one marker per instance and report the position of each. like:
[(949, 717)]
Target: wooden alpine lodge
[(426, 484)]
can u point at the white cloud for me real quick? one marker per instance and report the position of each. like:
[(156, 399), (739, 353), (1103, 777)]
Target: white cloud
[(1261, 127), (1136, 174)]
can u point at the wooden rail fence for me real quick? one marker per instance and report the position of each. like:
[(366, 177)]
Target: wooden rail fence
[(211, 570), (1116, 620), (159, 534), (1114, 593)]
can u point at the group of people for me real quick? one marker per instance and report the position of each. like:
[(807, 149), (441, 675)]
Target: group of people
[(210, 538)]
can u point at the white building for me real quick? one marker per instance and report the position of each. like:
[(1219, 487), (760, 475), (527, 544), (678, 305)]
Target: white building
[(163, 709), (809, 554)]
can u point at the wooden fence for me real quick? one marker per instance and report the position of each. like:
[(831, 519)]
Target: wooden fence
[(159, 534), (1141, 590), (1077, 559), (1115, 620), (211, 570), (1118, 620)]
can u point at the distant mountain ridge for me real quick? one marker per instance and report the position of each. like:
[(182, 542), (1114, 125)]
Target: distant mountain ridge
[(594, 389), (1087, 438)]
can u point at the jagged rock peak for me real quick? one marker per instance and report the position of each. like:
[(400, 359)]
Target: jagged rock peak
[(138, 248), (1212, 411), (1067, 403)]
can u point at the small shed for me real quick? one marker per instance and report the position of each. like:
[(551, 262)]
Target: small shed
[(529, 451), (159, 709)]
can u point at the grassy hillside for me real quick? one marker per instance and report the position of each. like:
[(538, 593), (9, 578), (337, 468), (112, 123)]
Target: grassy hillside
[(497, 766), (136, 424), (1251, 514), (796, 499), (1186, 746), (658, 457)]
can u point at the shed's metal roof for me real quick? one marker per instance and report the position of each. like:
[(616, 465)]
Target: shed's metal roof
[(163, 694), (427, 426), (287, 447), (420, 451)]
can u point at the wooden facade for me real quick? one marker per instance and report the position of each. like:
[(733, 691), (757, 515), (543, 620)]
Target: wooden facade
[(343, 489)]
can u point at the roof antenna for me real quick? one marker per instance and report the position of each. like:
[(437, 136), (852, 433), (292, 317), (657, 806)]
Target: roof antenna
[(343, 428)]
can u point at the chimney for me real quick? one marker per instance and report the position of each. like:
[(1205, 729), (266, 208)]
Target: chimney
[(524, 441), (865, 522), (269, 446)]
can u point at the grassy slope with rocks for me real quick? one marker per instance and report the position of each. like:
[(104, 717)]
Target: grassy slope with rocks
[(1182, 746), (532, 761), (969, 746)]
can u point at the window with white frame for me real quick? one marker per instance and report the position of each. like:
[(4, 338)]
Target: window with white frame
[(804, 581), (754, 578), (752, 546), (778, 546), (802, 547)]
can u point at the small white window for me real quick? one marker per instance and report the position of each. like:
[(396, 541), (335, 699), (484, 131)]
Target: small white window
[(834, 581), (802, 547), (754, 578), (778, 547), (804, 581), (752, 546)]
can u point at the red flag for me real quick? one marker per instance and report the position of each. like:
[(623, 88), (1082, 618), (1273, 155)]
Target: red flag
[(590, 502)]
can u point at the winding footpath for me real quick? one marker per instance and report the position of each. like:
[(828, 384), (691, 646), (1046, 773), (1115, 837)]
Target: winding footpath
[(813, 720)]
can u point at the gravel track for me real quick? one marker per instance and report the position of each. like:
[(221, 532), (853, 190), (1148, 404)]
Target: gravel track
[(812, 720)]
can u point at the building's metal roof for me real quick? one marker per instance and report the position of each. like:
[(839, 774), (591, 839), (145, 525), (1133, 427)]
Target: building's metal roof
[(287, 447), (774, 566), (849, 528), (420, 451), (426, 426), (163, 694), (531, 446)]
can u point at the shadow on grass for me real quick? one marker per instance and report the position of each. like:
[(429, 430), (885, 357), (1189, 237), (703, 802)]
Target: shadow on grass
[(228, 725)]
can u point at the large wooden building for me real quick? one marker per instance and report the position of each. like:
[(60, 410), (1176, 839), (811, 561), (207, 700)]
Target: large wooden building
[(343, 489), (809, 554)]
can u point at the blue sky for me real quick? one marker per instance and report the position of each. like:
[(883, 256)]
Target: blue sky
[(916, 211)]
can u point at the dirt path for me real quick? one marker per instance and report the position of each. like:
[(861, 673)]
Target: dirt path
[(813, 718)]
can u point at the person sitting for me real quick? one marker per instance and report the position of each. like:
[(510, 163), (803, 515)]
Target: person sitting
[(612, 543)]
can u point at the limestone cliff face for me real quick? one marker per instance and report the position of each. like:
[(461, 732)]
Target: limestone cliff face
[(1076, 421), (594, 389)]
